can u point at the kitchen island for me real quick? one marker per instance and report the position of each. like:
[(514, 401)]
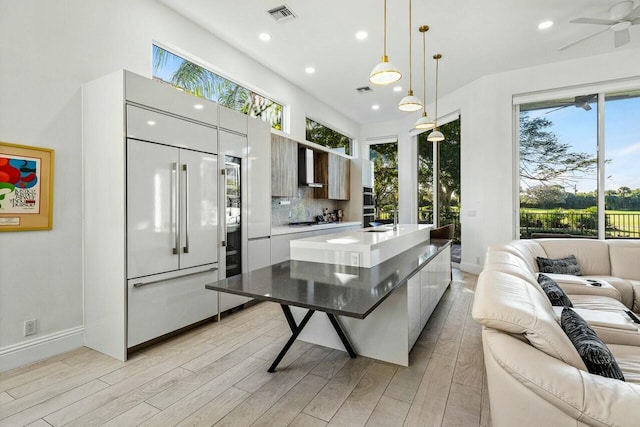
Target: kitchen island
[(376, 312)]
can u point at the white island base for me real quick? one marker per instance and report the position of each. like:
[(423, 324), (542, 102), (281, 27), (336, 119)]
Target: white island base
[(391, 330)]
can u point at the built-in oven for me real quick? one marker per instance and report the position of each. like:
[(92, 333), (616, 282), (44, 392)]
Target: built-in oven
[(367, 196), (368, 208)]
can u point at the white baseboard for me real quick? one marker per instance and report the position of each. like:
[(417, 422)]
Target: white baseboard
[(40, 348), (467, 267)]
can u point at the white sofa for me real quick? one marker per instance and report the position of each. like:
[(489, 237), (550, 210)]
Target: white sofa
[(535, 375)]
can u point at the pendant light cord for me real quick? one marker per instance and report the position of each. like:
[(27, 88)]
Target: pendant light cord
[(424, 68), (385, 30), (410, 67), (435, 120)]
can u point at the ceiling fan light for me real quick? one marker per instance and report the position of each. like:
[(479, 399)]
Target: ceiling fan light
[(385, 73), (435, 136), (410, 103), (424, 122)]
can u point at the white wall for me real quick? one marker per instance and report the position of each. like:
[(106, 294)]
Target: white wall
[(487, 184), (47, 50)]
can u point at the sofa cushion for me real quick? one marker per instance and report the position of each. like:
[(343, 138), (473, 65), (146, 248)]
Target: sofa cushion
[(592, 255), (554, 292), (510, 304), (621, 255), (594, 352), (628, 358)]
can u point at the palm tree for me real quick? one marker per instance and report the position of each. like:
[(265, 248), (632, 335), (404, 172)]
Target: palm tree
[(204, 83)]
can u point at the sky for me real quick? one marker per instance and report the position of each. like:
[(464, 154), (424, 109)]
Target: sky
[(578, 128)]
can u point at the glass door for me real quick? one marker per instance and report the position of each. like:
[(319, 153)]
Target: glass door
[(233, 216)]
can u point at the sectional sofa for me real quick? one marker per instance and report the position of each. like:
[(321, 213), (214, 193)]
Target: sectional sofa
[(536, 377)]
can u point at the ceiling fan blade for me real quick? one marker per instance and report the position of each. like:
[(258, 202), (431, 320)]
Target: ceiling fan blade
[(635, 13), (593, 21), (567, 46), (620, 38)]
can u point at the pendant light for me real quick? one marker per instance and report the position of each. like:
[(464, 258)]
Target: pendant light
[(410, 103), (385, 73), (436, 135), (424, 122)]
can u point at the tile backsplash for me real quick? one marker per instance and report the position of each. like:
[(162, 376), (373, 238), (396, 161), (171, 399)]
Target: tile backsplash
[(302, 208)]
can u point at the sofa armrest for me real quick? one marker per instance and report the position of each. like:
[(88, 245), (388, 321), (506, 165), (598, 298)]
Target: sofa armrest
[(575, 285), (547, 391)]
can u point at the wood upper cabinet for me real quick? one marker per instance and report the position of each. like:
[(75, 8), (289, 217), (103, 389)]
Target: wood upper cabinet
[(284, 167), (339, 177), (333, 171)]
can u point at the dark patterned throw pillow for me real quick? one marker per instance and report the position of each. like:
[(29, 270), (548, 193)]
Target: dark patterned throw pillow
[(594, 353), (555, 293), (568, 265)]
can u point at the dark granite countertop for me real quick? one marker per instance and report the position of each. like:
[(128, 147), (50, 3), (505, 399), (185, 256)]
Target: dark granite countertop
[(338, 289)]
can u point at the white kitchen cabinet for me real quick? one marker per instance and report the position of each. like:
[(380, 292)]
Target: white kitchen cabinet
[(434, 280), (413, 309), (280, 247), (259, 191), (233, 120), (259, 253)]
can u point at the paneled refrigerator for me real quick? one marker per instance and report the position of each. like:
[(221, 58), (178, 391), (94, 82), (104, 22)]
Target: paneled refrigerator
[(172, 234)]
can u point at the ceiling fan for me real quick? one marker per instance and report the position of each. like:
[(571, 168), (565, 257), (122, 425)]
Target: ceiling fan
[(621, 16), (578, 102)]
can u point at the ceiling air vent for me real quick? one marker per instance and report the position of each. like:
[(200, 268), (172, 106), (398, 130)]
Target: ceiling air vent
[(281, 13), (364, 89)]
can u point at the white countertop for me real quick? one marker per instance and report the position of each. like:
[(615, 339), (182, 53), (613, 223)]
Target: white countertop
[(286, 229), (369, 246)]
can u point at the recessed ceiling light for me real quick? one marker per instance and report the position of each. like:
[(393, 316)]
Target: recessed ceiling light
[(309, 70), (362, 35), (375, 107), (151, 122), (265, 37), (544, 25), (397, 88), (198, 106)]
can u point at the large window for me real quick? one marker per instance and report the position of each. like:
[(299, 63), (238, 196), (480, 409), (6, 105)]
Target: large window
[(320, 134), (560, 189), (385, 180), (177, 71)]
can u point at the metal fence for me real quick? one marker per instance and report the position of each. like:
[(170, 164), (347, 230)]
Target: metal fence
[(617, 225)]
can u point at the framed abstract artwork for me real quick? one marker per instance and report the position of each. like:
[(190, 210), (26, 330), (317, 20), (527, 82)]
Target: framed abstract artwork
[(26, 188)]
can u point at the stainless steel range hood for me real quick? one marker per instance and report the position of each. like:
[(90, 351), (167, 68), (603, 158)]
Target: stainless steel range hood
[(306, 168)]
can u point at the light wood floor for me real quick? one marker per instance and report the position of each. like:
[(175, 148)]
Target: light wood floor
[(216, 375)]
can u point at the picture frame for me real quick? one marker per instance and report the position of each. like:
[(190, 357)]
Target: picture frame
[(26, 187)]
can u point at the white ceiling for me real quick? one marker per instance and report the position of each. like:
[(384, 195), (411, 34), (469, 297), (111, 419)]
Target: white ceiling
[(475, 37)]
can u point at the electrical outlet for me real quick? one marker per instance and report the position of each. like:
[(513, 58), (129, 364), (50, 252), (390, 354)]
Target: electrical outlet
[(355, 259), (30, 327)]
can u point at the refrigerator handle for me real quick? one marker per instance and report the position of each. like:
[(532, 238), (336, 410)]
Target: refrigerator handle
[(223, 172), (186, 209), (174, 206)]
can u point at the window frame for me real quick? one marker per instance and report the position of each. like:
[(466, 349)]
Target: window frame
[(601, 89), (323, 124)]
